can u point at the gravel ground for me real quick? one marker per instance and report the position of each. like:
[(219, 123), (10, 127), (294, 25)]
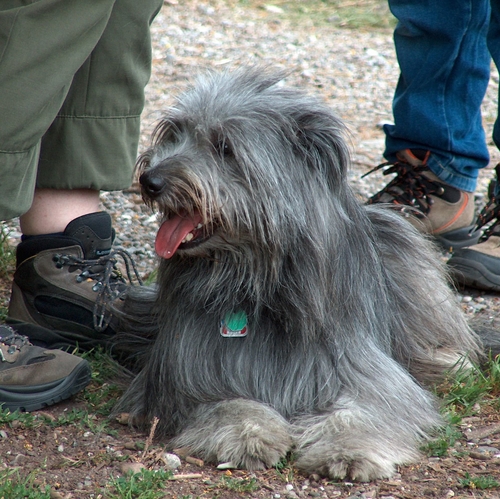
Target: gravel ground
[(355, 71)]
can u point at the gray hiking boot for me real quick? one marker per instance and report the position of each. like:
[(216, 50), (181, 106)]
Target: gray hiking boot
[(435, 208), (69, 284), (479, 266), (32, 377)]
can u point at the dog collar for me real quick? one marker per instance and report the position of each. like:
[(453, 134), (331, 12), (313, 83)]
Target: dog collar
[(234, 325)]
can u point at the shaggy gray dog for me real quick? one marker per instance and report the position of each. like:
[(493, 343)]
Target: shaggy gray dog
[(288, 316)]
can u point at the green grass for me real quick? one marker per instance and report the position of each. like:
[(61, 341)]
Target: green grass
[(353, 14), (462, 394), (103, 392), (144, 485), (445, 438), (480, 482), (284, 468), (15, 486), (236, 484), (467, 387)]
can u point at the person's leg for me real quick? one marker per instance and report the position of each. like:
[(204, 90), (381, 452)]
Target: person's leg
[(43, 45), (444, 61), (64, 279), (437, 144), (65, 276), (53, 209), (479, 266), (93, 141)]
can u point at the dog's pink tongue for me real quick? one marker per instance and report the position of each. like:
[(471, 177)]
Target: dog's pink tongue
[(172, 232)]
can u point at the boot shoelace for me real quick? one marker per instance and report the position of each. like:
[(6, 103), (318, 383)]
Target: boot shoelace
[(110, 283), (490, 212), (408, 188), (12, 340)]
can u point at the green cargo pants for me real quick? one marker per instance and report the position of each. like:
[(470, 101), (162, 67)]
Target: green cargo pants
[(72, 78)]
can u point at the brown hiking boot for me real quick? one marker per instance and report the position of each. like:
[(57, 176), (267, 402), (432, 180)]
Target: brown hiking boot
[(69, 284), (479, 265), (32, 377), (434, 208)]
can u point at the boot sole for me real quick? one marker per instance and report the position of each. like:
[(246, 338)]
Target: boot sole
[(459, 238), (43, 337), (35, 397), (473, 274)]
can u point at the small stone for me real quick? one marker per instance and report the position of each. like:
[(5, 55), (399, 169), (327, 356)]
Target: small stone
[(3, 434), (481, 456), (171, 461), (200, 462), (274, 9), (226, 466), (488, 449), (123, 418), (132, 468)]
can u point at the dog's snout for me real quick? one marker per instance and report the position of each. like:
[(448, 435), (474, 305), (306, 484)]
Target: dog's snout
[(152, 184)]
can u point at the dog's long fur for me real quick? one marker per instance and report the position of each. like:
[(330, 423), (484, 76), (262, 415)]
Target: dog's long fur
[(349, 312)]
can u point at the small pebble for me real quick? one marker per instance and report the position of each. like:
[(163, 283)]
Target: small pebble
[(133, 468), (171, 461)]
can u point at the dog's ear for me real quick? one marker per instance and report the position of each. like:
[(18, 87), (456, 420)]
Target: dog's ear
[(166, 131), (322, 138), (143, 162)]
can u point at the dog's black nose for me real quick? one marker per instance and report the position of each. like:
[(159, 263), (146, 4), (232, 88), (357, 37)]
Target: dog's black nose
[(152, 184)]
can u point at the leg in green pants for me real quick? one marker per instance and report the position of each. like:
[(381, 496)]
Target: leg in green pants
[(72, 78)]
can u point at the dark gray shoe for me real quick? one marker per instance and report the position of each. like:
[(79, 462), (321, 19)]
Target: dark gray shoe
[(32, 377), (69, 284), (479, 266)]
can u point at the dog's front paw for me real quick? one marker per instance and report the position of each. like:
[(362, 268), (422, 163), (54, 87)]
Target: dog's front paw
[(254, 445), (336, 464), (248, 434), (345, 444)]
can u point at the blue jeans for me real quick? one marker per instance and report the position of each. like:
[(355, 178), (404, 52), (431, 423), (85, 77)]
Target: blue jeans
[(443, 49)]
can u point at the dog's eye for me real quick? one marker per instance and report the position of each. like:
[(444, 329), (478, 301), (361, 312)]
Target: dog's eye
[(224, 148)]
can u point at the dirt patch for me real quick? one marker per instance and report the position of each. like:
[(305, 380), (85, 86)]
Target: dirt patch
[(85, 456)]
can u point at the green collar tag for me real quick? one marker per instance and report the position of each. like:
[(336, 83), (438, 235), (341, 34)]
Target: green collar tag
[(234, 325)]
